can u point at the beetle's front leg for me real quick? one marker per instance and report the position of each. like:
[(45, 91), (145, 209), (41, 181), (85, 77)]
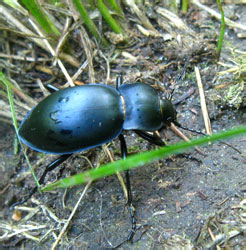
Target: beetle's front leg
[(119, 81), (128, 186), (154, 139)]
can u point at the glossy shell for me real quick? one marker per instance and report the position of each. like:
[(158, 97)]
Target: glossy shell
[(142, 107), (74, 119)]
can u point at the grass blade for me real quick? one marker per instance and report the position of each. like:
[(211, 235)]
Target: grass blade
[(109, 19), (39, 14), (222, 28), (8, 84), (88, 22), (116, 7), (140, 160)]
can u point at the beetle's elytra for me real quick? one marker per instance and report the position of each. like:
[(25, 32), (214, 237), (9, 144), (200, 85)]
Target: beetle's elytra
[(83, 117)]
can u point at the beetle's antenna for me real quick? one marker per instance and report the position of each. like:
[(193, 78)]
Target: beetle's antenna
[(190, 129), (180, 76), (170, 96)]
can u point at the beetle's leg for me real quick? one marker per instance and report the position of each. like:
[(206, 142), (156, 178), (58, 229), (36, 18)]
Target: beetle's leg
[(119, 81), (51, 88), (155, 139), (123, 148), (48, 168)]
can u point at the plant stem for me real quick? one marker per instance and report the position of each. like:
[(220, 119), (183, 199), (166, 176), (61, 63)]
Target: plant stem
[(222, 28)]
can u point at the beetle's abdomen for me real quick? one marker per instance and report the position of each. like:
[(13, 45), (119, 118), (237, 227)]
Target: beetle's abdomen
[(142, 107), (74, 119)]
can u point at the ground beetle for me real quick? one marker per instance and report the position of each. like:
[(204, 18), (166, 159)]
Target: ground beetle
[(83, 117)]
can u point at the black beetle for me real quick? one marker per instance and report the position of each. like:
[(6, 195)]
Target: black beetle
[(83, 117)]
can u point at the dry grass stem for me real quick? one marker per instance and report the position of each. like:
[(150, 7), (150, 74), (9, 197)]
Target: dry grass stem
[(218, 16), (147, 32), (20, 230), (77, 73), (121, 180), (72, 214), (39, 40), (87, 48), (212, 237), (141, 15), (173, 19), (16, 23), (63, 69), (203, 103), (24, 58), (62, 40)]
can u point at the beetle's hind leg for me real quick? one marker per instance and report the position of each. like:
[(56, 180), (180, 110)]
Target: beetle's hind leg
[(48, 168), (51, 88), (128, 186)]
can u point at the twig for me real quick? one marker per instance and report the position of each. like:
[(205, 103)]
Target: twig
[(28, 33), (77, 73), (184, 96), (19, 230), (219, 239), (100, 219), (203, 103), (218, 16), (62, 40), (212, 236), (174, 19), (121, 180), (15, 22), (24, 58), (63, 69), (141, 15), (87, 48), (72, 214), (180, 134)]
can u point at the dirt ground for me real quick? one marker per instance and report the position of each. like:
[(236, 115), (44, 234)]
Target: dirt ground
[(179, 202)]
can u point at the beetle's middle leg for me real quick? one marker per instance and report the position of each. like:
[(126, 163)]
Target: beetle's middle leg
[(123, 148), (119, 81), (51, 88)]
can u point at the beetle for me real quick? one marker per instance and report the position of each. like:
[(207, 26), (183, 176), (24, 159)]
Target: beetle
[(83, 117)]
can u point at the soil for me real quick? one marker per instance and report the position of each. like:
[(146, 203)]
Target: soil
[(179, 201)]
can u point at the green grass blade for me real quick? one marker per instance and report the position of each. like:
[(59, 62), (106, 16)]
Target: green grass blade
[(222, 28), (116, 7), (109, 19), (8, 84), (140, 160), (39, 14), (185, 6), (10, 97), (88, 22)]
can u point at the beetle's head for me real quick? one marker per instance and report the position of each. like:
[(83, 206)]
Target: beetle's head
[(169, 113)]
